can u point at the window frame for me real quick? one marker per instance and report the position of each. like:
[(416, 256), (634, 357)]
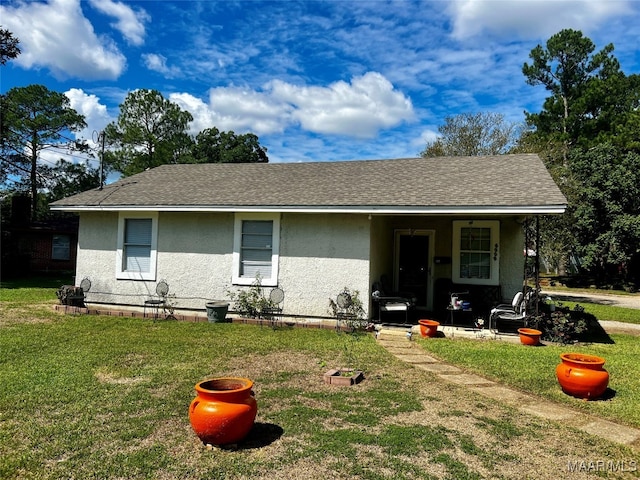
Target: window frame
[(123, 274), (237, 279), (494, 252)]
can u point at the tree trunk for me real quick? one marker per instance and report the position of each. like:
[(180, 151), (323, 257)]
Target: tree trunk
[(565, 149), (34, 177)]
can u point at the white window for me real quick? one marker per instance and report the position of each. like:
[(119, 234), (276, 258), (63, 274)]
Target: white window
[(256, 248), (61, 247), (475, 252), (137, 251)]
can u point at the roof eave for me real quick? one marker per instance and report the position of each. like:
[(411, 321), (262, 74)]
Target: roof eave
[(365, 209)]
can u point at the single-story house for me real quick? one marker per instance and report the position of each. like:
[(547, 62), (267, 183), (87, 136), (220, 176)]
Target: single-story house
[(428, 225)]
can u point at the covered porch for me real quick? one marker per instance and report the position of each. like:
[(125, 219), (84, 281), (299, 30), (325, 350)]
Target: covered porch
[(480, 259)]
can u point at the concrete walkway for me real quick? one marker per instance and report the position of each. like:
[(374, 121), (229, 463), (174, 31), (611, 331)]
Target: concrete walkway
[(399, 344), (569, 297)]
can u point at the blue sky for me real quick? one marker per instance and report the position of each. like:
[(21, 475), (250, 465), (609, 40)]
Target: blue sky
[(322, 80)]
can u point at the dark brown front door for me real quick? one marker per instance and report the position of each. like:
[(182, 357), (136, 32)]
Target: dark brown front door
[(413, 266)]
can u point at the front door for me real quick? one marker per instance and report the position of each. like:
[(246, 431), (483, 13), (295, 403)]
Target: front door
[(413, 264)]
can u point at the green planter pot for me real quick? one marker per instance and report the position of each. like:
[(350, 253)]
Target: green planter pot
[(217, 311)]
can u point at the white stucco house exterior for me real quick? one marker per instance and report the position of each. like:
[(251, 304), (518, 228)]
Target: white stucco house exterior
[(311, 229)]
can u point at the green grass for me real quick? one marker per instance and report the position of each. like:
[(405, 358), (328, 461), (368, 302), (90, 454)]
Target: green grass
[(618, 314), (532, 369), (108, 397), (602, 312)]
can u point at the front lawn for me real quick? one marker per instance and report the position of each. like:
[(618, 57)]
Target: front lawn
[(532, 369), (617, 314), (108, 397)]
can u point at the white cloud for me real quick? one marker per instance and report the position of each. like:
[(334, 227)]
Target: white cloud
[(426, 136), (158, 63), (362, 108), (129, 22), (358, 109), (56, 35), (95, 113), (530, 18), (203, 115), (236, 109)]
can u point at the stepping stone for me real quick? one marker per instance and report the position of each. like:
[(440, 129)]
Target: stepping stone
[(549, 411), (467, 379), (438, 367), (612, 431), (503, 394), (415, 358), (396, 345)]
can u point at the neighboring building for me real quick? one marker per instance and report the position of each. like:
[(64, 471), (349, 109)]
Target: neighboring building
[(426, 224), (37, 247)]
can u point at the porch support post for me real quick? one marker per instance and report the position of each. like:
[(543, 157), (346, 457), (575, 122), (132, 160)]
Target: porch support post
[(525, 225), (537, 267)]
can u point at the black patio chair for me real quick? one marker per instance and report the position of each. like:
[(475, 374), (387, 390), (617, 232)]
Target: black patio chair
[(158, 302), (391, 302), (510, 317), (273, 312)]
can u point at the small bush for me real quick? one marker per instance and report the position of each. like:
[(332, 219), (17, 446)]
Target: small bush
[(562, 325), (349, 309), (251, 302)]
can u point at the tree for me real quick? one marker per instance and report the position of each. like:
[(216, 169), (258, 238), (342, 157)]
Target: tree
[(472, 134), (588, 124), (8, 46), (150, 131), (607, 208), (573, 74), (214, 146), (35, 119), (68, 178), (612, 112)]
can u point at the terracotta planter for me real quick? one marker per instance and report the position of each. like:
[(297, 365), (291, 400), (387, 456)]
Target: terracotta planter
[(428, 328), (582, 375), (223, 411), (529, 336)]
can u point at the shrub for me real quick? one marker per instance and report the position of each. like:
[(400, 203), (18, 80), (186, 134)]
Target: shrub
[(562, 324), (250, 302), (348, 308)]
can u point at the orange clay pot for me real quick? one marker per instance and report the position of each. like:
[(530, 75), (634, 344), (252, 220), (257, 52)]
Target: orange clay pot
[(582, 375), (529, 336), (224, 410), (428, 328)]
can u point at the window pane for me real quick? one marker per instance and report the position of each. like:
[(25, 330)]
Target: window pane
[(138, 231), (264, 227), (465, 234), (475, 239), (138, 259), (475, 253), (256, 248), (253, 269), (137, 245), (484, 239), (256, 241), (475, 265), (61, 247)]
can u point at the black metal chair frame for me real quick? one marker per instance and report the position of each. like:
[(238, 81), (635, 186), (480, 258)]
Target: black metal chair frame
[(391, 303), (514, 313), (273, 312), (162, 292), (343, 301)]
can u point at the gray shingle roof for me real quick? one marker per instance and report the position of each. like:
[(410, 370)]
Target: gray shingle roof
[(505, 181)]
